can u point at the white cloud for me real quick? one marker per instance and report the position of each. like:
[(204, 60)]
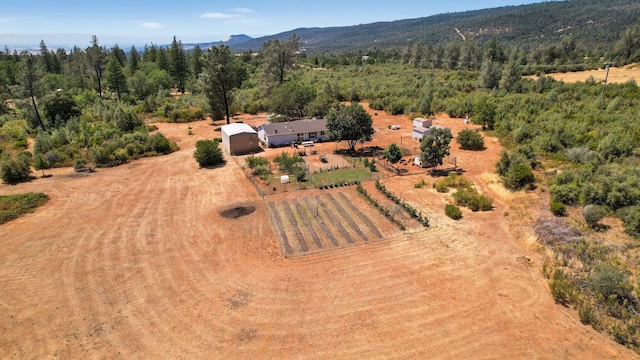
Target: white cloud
[(152, 25), (215, 15), (242, 10)]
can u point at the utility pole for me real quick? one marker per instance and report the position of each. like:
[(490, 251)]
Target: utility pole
[(604, 83)]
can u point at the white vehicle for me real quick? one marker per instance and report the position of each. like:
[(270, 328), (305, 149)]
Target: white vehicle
[(395, 127)]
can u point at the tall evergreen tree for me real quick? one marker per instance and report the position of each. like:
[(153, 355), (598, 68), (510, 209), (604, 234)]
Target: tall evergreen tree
[(45, 57), (29, 81), (120, 55), (162, 60), (221, 75), (178, 65), (95, 59), (134, 61), (279, 58), (196, 61), (115, 77)]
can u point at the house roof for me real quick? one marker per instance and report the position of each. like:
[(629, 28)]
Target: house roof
[(234, 129), (294, 127)]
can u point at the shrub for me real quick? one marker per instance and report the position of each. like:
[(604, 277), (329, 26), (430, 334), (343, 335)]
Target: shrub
[(568, 194), (593, 214), (255, 161), (470, 198), (587, 314), (208, 153), (470, 140), (160, 144), (453, 212), (518, 176), (13, 206), (558, 209), (420, 184), (16, 170), (563, 290), (630, 215)]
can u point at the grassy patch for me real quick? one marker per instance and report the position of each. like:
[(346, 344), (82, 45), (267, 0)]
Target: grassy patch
[(358, 173), (14, 206)]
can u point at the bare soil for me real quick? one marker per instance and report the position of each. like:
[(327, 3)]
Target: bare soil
[(618, 75), (137, 262)]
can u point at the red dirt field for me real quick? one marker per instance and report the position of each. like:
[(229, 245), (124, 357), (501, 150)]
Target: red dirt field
[(137, 262), (618, 75)]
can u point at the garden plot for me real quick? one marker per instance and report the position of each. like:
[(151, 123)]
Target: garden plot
[(326, 221)]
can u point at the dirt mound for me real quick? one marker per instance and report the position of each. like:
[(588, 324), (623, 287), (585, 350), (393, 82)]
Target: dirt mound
[(237, 211)]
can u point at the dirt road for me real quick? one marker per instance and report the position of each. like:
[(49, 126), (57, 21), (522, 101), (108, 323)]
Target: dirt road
[(137, 262)]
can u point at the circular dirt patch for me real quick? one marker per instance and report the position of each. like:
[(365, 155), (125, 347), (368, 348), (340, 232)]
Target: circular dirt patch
[(237, 211)]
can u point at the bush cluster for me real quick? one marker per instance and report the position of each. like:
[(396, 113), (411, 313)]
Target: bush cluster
[(208, 153), (453, 212), (470, 140)]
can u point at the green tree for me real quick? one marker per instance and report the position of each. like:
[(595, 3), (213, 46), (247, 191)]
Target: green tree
[(470, 140), (208, 153), (29, 79), (393, 153), (593, 214), (291, 99), (59, 107), (196, 61), (489, 75), (115, 77), (16, 170), (95, 58), (435, 146), (511, 77), (628, 47), (518, 176), (126, 119), (134, 61), (484, 112), (162, 59), (349, 122), (221, 75), (40, 163), (279, 57), (46, 58), (178, 65)]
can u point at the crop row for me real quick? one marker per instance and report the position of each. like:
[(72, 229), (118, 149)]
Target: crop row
[(413, 212), (381, 208)]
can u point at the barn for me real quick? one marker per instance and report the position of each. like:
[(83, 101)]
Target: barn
[(238, 139)]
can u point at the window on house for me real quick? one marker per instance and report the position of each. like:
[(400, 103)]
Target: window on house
[(300, 137), (321, 133), (312, 135)]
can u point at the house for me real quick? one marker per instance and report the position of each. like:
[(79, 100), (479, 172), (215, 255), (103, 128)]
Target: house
[(287, 133), (422, 127), (238, 139)]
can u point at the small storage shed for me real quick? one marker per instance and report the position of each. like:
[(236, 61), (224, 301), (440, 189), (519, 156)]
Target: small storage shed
[(238, 139)]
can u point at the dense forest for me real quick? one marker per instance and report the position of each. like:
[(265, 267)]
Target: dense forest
[(579, 142), (594, 24)]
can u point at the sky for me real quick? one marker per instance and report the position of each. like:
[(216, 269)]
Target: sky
[(65, 23)]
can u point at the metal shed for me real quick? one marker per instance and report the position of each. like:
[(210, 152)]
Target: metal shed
[(238, 139)]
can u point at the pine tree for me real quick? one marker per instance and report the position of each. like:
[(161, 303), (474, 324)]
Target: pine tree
[(116, 79), (134, 61), (178, 65)]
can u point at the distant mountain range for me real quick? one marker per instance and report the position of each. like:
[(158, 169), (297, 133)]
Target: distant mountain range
[(591, 22), (231, 41)]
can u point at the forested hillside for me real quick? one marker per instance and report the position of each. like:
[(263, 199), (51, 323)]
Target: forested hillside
[(594, 24)]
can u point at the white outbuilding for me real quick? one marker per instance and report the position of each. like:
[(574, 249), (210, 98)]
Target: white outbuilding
[(238, 139)]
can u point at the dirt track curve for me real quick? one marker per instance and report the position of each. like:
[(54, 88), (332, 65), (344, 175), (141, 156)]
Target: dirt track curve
[(137, 262)]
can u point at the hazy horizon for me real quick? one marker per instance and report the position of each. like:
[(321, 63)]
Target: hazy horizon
[(25, 23)]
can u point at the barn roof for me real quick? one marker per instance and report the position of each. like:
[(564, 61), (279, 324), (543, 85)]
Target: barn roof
[(234, 129), (299, 126)]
